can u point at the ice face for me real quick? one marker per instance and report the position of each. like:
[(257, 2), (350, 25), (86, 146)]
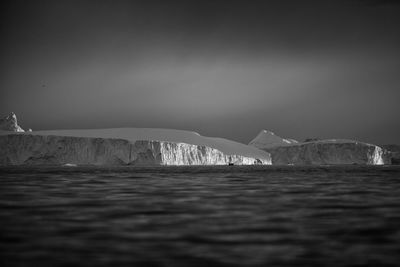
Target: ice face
[(328, 152), (28, 149)]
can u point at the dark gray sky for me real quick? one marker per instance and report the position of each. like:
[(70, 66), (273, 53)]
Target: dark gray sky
[(222, 68)]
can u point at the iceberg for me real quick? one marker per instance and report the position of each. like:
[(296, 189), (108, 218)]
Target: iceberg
[(124, 146), (10, 123), (319, 152), (29, 149), (328, 152)]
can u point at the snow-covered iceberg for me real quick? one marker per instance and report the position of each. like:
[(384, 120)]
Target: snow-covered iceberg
[(124, 146), (319, 152), (10, 123)]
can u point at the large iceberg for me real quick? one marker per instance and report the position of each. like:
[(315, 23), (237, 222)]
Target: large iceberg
[(124, 146), (319, 152), (29, 149)]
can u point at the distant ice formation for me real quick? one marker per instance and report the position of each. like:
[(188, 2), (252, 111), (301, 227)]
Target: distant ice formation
[(10, 123), (319, 152), (267, 139), (152, 146), (328, 152), (393, 153)]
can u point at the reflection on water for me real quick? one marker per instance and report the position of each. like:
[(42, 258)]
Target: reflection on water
[(200, 216)]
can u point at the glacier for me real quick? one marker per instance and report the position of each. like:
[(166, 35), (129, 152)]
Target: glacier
[(34, 149)]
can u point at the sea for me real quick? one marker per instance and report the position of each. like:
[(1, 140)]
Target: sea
[(200, 216)]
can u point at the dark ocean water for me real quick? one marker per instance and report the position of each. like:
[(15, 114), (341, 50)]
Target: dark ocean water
[(200, 216)]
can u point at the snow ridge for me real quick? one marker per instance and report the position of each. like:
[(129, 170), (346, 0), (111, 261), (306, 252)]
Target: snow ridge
[(267, 139)]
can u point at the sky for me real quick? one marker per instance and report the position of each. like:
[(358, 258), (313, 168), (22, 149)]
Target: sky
[(302, 69)]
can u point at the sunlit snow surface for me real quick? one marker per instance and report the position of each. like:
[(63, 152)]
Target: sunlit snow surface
[(267, 139)]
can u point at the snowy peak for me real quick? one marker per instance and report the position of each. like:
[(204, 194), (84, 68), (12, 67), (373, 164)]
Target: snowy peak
[(267, 139), (10, 123)]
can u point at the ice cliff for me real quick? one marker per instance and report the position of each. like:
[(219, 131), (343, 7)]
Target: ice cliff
[(29, 149), (152, 146), (328, 152), (319, 152), (10, 123), (393, 153)]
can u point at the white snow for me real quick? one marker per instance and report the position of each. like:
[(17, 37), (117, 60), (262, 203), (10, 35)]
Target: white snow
[(267, 139), (10, 123), (70, 165)]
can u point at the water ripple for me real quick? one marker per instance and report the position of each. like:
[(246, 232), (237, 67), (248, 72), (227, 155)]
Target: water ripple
[(200, 216)]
